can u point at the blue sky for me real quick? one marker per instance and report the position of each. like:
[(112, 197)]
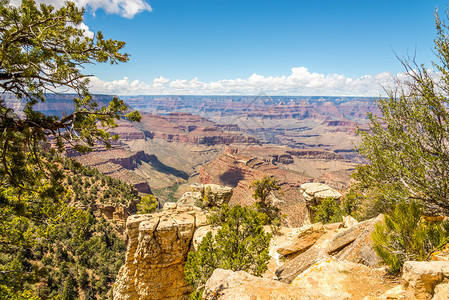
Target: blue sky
[(252, 46)]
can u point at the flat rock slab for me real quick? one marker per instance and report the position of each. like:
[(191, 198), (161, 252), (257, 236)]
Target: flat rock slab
[(347, 236), (302, 239), (226, 284)]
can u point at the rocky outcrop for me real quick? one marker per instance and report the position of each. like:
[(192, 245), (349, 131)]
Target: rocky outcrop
[(353, 244), (116, 215), (316, 192), (420, 278), (301, 239), (157, 250), (225, 284)]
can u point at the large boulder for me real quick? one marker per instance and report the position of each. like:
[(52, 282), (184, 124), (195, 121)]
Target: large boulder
[(217, 194), (420, 278), (441, 292), (293, 267), (349, 235), (301, 239), (340, 280), (362, 250), (226, 284)]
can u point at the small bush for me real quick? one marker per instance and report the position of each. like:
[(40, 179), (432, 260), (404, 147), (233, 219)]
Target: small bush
[(406, 235), (327, 211)]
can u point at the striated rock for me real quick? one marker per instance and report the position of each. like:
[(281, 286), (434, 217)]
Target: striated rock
[(225, 284), (420, 278), (157, 250), (347, 236), (313, 191), (301, 239), (362, 250), (292, 268)]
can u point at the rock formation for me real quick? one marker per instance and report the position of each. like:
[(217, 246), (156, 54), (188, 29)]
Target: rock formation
[(157, 249)]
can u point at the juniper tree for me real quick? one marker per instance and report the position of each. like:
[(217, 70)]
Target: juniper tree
[(240, 244), (407, 146)]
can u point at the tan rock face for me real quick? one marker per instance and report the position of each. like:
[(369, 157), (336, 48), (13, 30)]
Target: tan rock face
[(420, 278), (157, 251), (292, 268), (347, 236), (225, 284), (441, 292), (362, 250), (302, 239), (319, 191), (218, 194)]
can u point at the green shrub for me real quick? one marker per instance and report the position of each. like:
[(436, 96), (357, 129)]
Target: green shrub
[(405, 235), (147, 204), (241, 244), (327, 211)]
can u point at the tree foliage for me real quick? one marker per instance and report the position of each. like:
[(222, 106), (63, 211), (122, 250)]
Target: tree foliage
[(43, 50), (147, 204), (408, 144), (240, 244), (406, 235), (263, 190)]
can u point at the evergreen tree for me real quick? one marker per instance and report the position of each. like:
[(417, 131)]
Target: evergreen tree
[(407, 145), (263, 190), (240, 244), (147, 204)]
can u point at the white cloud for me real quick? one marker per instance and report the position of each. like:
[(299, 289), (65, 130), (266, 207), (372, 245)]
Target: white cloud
[(124, 8), (300, 82), (86, 30)]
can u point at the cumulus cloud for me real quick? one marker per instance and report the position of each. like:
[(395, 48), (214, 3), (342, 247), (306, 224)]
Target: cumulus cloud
[(124, 8), (300, 82)]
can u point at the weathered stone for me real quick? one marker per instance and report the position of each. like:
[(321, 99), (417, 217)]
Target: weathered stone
[(341, 279), (347, 236), (190, 197), (157, 250), (349, 221), (362, 250), (226, 284), (292, 268), (155, 258), (301, 239), (200, 233), (330, 193), (218, 194), (396, 293), (325, 276), (170, 206), (333, 226), (421, 277), (201, 219), (441, 292)]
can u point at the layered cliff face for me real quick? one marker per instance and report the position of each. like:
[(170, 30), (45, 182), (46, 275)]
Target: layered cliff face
[(239, 167), (157, 249)]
